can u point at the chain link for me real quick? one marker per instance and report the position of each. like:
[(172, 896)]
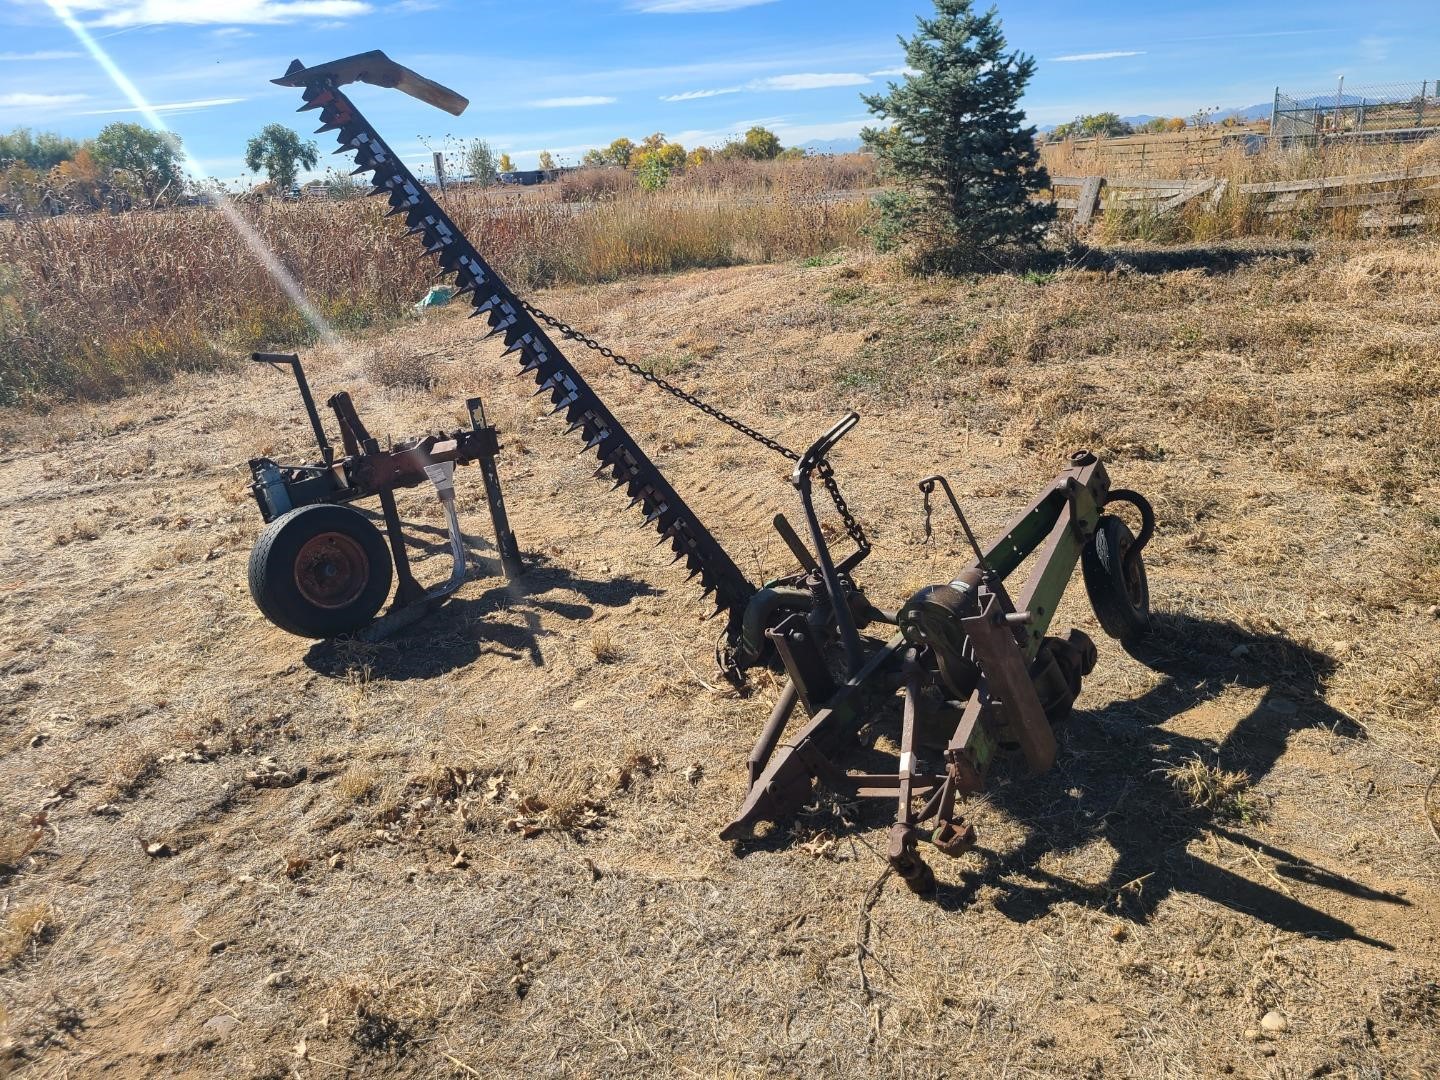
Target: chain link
[(824, 469), (669, 387)]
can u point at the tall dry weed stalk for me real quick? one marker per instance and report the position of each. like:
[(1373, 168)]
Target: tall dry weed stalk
[(92, 304)]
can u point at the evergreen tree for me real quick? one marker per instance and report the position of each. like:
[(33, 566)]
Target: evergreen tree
[(966, 166)]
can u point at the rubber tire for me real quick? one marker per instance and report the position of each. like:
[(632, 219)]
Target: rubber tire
[(1102, 562), (272, 571)]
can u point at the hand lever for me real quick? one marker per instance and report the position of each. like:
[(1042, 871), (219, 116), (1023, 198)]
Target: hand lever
[(820, 449), (275, 360)]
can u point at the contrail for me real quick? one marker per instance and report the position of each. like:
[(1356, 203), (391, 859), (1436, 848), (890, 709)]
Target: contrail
[(252, 239)]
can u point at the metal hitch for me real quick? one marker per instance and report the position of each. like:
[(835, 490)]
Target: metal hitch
[(970, 660)]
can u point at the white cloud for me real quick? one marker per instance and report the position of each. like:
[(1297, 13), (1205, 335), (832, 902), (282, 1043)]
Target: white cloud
[(37, 101), (687, 7), (809, 81), (803, 81), (571, 102), (169, 107), (1076, 58), (49, 54), (887, 73), (213, 12), (691, 95)]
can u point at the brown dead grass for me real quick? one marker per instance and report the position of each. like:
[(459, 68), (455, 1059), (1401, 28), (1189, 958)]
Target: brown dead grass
[(503, 850), (25, 928)]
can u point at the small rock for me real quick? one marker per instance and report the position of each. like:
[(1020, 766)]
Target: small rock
[(1341, 648), (217, 947), (157, 849), (106, 809), (1239, 652), (278, 979), (1252, 1035), (220, 1025), (1282, 705), (1433, 611), (694, 772), (38, 738), (1267, 1051), (1274, 1022)]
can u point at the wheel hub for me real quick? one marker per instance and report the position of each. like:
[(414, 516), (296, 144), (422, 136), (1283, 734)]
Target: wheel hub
[(331, 570)]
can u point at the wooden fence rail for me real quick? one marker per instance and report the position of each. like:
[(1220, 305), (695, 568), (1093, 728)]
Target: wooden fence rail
[(1097, 194)]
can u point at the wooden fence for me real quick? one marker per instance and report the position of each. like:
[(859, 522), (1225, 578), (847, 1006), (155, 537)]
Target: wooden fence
[(1385, 209), (1194, 153)]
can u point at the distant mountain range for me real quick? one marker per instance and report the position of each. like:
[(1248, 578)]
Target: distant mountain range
[(1249, 112), (831, 146)]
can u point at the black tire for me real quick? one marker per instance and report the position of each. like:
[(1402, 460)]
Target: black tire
[(1121, 599), (320, 571)]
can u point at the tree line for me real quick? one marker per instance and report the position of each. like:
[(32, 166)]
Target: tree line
[(654, 159)]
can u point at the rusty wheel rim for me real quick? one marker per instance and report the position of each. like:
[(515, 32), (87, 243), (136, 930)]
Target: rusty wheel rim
[(331, 570)]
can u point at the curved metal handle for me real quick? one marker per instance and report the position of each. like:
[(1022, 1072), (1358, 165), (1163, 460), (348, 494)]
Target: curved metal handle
[(820, 449)]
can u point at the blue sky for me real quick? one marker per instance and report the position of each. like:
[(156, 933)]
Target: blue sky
[(544, 75)]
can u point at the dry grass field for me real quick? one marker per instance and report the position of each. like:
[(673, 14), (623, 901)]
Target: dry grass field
[(486, 847)]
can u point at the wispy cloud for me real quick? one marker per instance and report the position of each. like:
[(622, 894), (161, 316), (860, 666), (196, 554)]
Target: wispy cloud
[(571, 102), (890, 73), (38, 101), (809, 81), (47, 54), (1080, 58), (169, 107), (801, 81), (124, 13), (689, 7), (692, 95)]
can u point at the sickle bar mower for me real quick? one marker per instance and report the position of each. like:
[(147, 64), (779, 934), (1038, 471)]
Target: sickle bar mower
[(555, 376), (976, 670)]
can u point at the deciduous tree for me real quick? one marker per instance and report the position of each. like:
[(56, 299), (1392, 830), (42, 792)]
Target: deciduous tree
[(279, 151), (480, 162), (148, 159)]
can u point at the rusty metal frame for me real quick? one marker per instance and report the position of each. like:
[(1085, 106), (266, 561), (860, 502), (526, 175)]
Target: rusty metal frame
[(1001, 659), (367, 470)]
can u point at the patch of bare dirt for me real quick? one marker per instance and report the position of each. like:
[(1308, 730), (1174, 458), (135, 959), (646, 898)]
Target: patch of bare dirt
[(487, 845)]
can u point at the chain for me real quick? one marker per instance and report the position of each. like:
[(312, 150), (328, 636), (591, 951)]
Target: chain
[(669, 387), (827, 474), (852, 526)]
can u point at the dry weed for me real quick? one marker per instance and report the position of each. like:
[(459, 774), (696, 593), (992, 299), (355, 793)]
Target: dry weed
[(604, 647), (1219, 791), (25, 928), (71, 531), (357, 783)]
